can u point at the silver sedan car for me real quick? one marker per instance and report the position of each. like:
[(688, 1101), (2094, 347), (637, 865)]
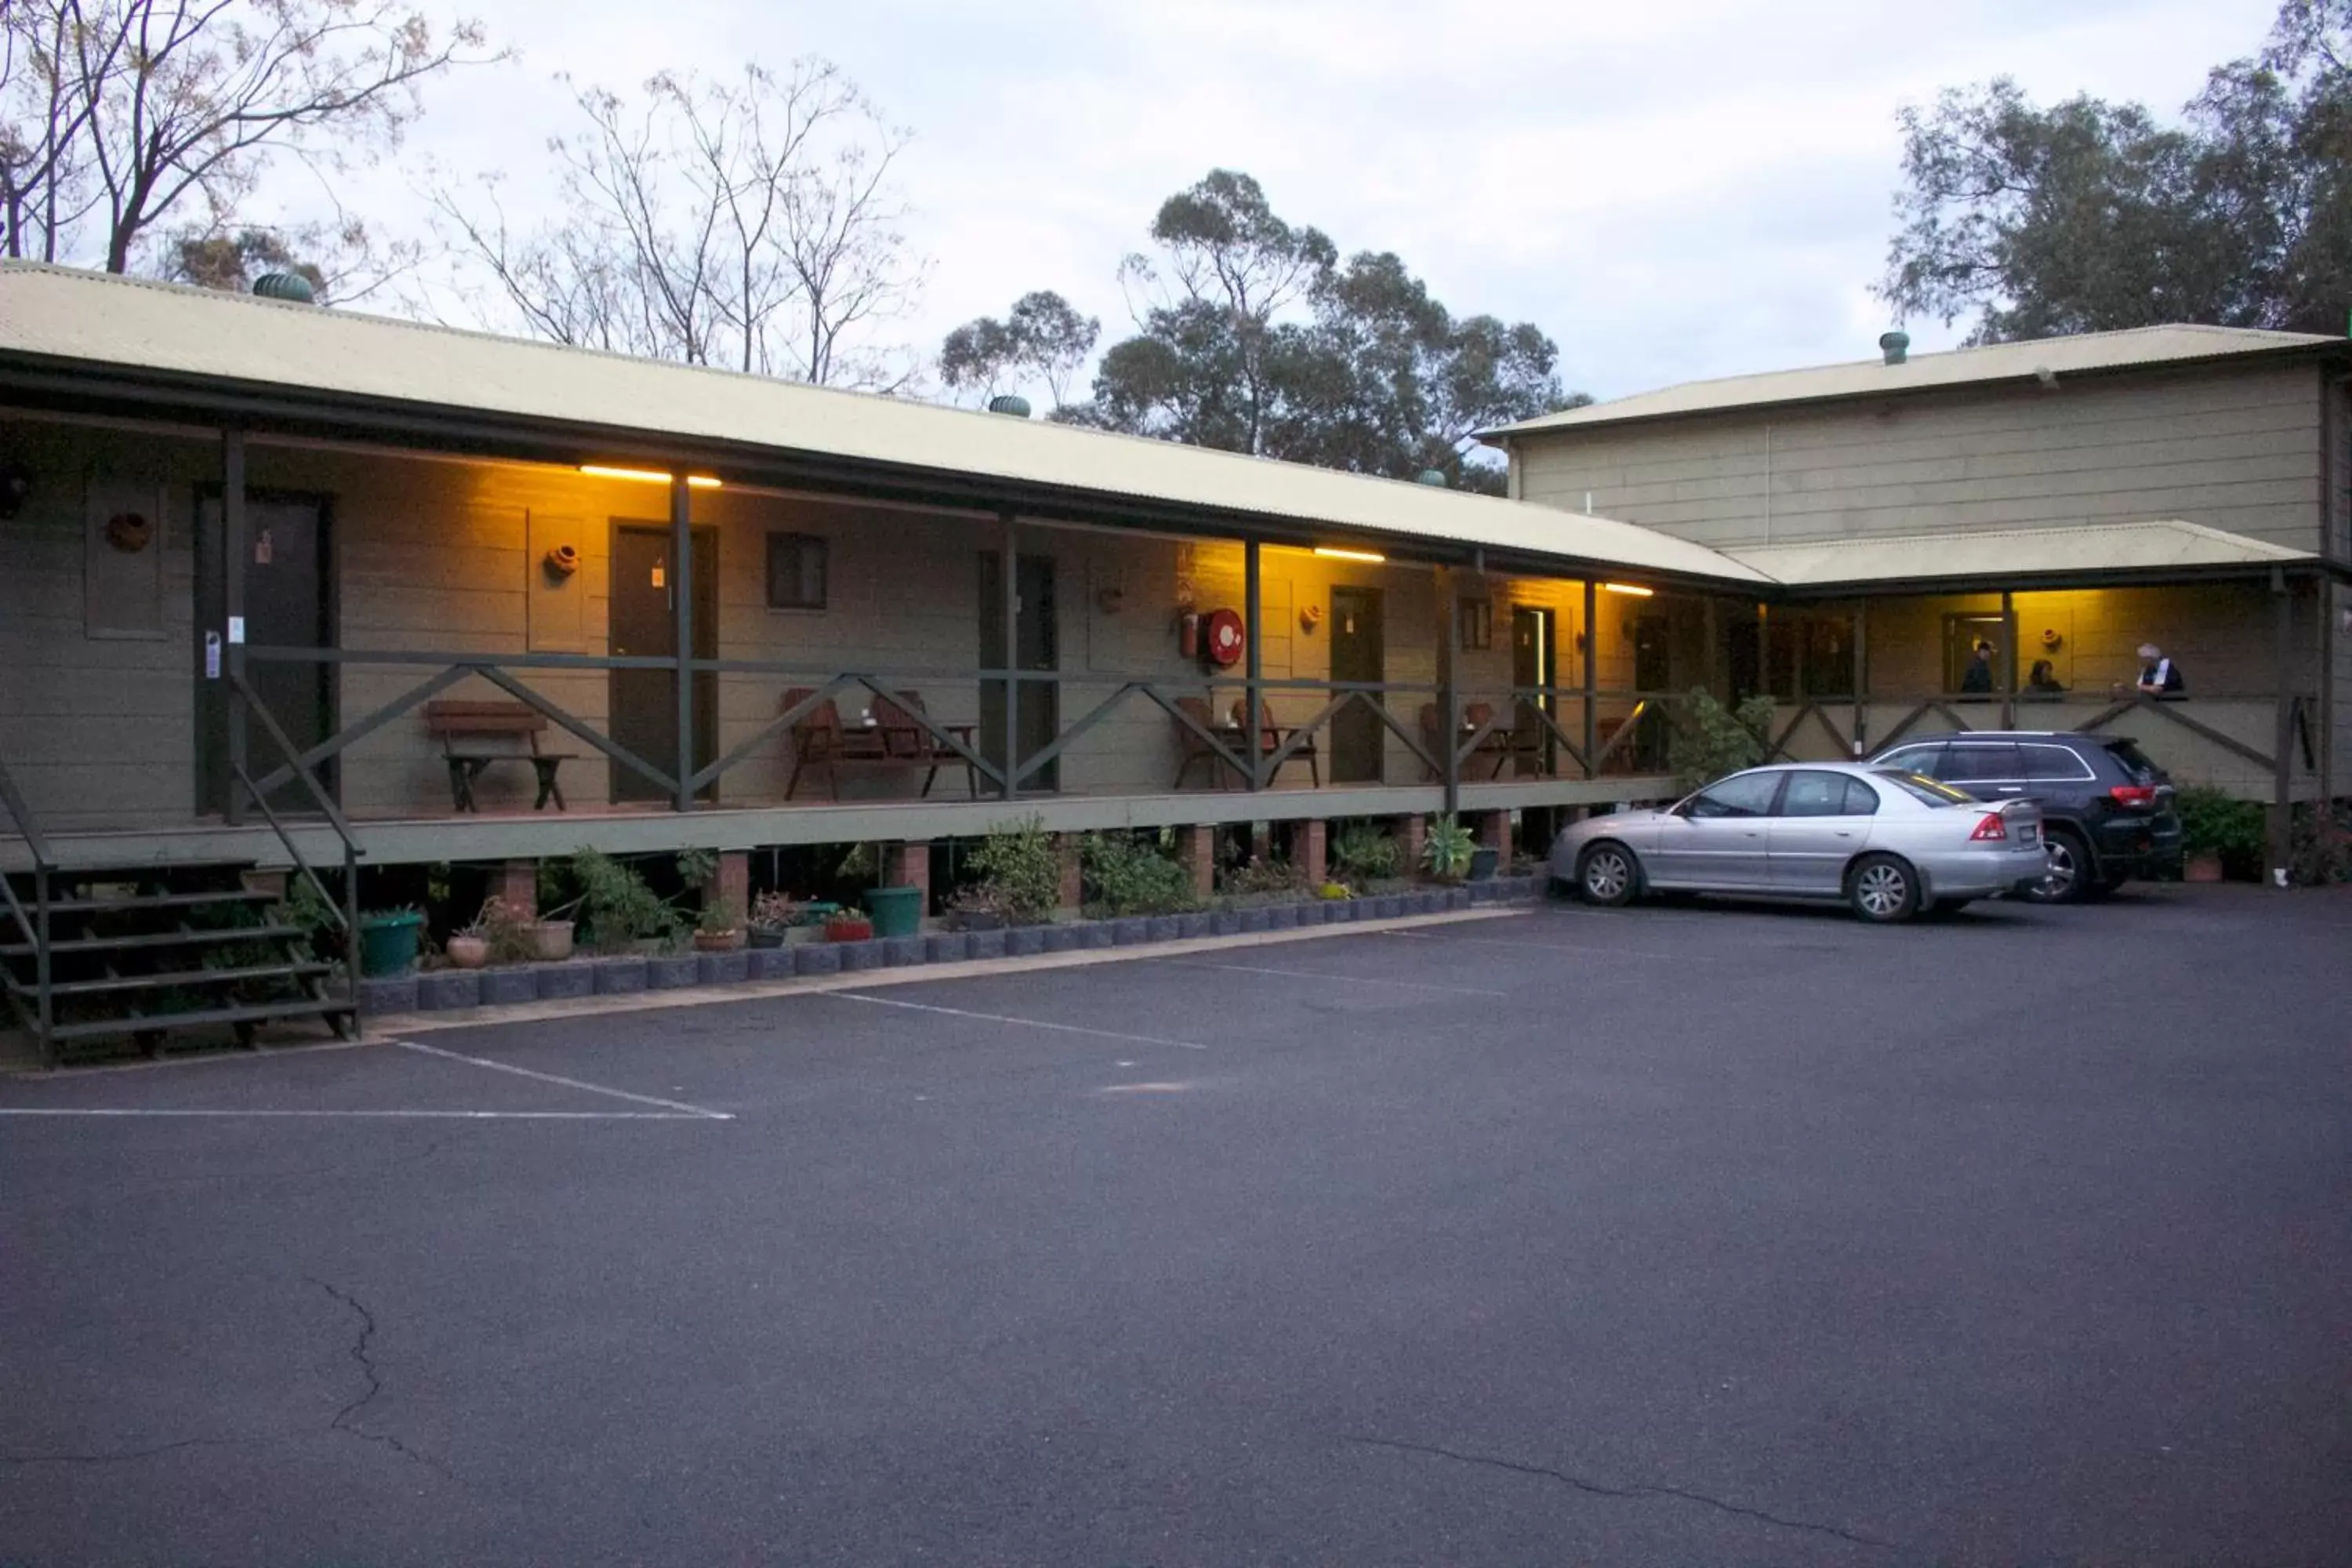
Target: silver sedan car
[(1888, 843)]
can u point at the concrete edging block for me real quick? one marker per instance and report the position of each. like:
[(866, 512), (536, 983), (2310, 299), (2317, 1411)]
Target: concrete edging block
[(1161, 928), (902, 951), (723, 968), (1023, 941), (388, 994), (947, 947), (445, 990), (871, 953), (987, 944), (673, 971), (769, 962), (817, 958), (1195, 923), (1095, 934), (1130, 931), (562, 981), (1254, 920), (505, 987), (620, 976), (1057, 938)]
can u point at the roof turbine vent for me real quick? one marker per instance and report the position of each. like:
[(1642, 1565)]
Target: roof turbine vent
[(1895, 346), (1010, 403), (290, 286)]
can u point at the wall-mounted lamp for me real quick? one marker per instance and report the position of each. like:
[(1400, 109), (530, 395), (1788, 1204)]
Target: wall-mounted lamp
[(1629, 588), (1329, 553), (648, 476)]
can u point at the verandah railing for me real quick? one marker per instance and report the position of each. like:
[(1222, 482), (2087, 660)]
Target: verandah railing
[(1622, 741)]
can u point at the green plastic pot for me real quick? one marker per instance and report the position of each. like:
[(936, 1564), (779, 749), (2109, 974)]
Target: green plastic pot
[(388, 944), (896, 911)]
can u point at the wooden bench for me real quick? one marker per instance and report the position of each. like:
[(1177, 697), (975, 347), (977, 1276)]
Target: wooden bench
[(473, 735)]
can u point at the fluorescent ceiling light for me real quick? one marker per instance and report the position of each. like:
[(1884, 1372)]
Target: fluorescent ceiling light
[(1372, 555), (1627, 588), (648, 476)]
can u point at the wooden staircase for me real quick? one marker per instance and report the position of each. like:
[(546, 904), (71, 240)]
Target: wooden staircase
[(137, 956)]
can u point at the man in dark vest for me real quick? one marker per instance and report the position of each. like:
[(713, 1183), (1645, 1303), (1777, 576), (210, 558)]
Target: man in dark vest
[(2158, 676)]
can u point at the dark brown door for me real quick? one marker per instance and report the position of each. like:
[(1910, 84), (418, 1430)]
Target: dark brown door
[(1359, 739), (1035, 629), (1532, 661), (1654, 673), (644, 702), (289, 602)]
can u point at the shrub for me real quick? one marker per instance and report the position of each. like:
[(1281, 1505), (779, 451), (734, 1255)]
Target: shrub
[(1270, 876), (1446, 851), (1363, 853), (1019, 867), (2213, 822), (1126, 876), (1719, 740), (615, 905), (2321, 850)]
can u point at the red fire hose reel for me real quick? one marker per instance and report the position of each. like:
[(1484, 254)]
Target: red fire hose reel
[(1222, 637)]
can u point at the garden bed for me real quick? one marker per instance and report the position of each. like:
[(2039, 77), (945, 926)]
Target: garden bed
[(512, 984)]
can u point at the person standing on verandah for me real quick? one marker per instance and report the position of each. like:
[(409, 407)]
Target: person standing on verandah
[(2158, 676), (1977, 680)]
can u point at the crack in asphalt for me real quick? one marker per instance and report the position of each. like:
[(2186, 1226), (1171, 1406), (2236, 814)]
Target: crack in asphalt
[(1635, 1492), (345, 1419)]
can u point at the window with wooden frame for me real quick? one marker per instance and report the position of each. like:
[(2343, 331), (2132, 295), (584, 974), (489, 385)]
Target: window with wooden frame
[(1477, 623), (796, 572)]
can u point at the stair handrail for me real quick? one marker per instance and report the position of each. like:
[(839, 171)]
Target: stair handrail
[(35, 924), (347, 914)]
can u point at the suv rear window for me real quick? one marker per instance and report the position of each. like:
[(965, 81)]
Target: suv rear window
[(2046, 763), (1921, 787), (2133, 761)]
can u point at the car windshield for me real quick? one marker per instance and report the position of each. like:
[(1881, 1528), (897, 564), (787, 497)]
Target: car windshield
[(2133, 761), (1921, 787)]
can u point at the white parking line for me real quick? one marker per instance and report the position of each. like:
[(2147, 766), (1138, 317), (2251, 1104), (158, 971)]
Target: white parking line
[(676, 1105), (1007, 1018), (1345, 979), (1553, 946), (371, 1115)]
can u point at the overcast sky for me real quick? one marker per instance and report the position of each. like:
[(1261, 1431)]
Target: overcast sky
[(1671, 190)]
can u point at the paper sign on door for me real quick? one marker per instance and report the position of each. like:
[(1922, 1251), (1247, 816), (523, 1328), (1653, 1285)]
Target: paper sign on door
[(661, 577)]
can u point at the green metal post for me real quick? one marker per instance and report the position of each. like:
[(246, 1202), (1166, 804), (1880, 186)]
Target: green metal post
[(682, 591), (1008, 574), (1592, 677), (233, 561), (1252, 669)]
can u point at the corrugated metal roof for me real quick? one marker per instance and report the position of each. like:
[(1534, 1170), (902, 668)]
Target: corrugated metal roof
[(99, 319), (2020, 553), (2019, 362)]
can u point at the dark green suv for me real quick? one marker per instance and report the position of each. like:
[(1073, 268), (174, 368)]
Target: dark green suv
[(2106, 810)]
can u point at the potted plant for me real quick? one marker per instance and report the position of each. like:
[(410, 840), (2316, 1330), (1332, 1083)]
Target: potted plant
[(772, 916), (468, 946), (388, 940), (2219, 836), (846, 926), (717, 929), (1449, 848), (976, 907), (551, 940)]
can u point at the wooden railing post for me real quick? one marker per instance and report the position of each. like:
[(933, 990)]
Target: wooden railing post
[(1253, 670), (1008, 563), (1452, 699), (233, 559), (2282, 823), (681, 593), (2008, 659), (1591, 679), (1861, 678)]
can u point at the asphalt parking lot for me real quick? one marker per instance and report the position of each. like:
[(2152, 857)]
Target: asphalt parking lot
[(1748, 1235)]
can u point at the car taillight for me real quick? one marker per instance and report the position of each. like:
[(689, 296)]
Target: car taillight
[(1990, 828), (2133, 797)]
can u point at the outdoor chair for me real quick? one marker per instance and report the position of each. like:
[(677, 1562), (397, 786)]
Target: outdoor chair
[(1193, 748), (905, 741), (818, 741), (1272, 736)]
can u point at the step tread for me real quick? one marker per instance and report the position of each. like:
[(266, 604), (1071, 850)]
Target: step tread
[(293, 971), (253, 1012), (70, 907), (156, 939)]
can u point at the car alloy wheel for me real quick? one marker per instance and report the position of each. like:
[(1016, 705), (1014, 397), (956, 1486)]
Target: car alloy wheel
[(2063, 883), (1607, 875), (1881, 890)]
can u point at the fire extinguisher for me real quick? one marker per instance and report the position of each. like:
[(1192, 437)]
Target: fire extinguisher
[(1188, 635)]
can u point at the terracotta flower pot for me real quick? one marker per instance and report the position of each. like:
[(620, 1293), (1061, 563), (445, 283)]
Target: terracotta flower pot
[(469, 952), (717, 941), (551, 940), (2205, 866)]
